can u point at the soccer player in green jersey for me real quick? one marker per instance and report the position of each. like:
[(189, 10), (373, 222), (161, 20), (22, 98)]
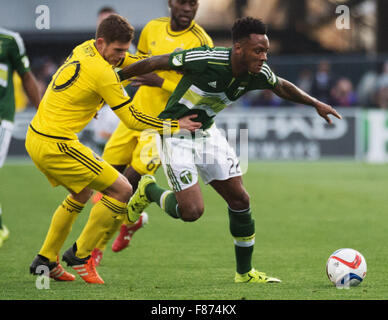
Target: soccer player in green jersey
[(123, 150), (213, 78), (12, 58)]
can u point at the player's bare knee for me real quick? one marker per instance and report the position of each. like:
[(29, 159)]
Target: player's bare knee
[(86, 193), (246, 200), (121, 190), (191, 214), (126, 192), (83, 196), (240, 202)]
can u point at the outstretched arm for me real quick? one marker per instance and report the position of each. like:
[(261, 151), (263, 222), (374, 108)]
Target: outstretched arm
[(289, 91), (154, 80), (145, 66)]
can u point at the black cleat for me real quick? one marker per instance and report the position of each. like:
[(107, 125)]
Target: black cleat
[(56, 270), (71, 259), (41, 261)]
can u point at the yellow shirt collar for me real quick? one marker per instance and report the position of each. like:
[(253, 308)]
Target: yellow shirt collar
[(178, 33)]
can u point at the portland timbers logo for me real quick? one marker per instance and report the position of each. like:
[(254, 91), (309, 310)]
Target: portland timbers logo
[(177, 60), (186, 177)]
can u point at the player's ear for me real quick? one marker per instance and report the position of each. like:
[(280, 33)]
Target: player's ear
[(100, 42), (237, 47)]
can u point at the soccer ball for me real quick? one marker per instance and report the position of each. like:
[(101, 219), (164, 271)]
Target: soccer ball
[(346, 268)]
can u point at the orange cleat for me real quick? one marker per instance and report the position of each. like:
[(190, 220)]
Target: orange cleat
[(88, 272), (57, 272), (126, 233), (97, 256), (85, 267), (60, 274)]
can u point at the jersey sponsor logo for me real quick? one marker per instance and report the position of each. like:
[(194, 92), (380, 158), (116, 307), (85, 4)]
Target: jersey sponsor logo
[(186, 177), (210, 102), (177, 60)]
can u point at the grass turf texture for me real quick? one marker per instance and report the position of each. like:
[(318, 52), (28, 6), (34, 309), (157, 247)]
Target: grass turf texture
[(303, 212)]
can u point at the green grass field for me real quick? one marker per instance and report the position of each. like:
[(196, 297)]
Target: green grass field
[(303, 212)]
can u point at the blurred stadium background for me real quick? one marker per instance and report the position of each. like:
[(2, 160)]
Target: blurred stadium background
[(346, 67)]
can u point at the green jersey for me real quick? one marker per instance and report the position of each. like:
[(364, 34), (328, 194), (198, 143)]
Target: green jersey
[(12, 58), (208, 84)]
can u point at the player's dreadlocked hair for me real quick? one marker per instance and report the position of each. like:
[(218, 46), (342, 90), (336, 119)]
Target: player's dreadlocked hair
[(115, 28), (243, 27)]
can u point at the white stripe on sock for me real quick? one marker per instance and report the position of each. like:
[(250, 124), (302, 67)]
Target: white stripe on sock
[(238, 210), (244, 243), (163, 197)]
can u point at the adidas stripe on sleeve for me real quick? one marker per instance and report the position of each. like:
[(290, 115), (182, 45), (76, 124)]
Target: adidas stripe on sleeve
[(207, 54), (196, 59)]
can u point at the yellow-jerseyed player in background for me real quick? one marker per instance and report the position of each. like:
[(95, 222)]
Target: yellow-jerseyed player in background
[(78, 89), (127, 147)]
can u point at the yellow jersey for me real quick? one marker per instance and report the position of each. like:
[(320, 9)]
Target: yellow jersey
[(157, 38), (79, 89)]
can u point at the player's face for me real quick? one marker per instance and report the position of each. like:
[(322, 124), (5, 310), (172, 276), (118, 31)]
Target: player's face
[(253, 52), (182, 13), (114, 51)]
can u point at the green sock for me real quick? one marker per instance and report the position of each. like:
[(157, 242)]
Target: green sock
[(164, 198), (242, 228)]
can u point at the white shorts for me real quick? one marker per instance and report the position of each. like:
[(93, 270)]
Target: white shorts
[(208, 154), (6, 128)]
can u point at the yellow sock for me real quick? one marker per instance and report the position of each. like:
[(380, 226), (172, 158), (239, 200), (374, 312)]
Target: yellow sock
[(108, 235), (60, 227), (102, 218)]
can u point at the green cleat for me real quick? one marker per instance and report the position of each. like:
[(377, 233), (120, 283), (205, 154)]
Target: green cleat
[(254, 276), (139, 200), (4, 234)]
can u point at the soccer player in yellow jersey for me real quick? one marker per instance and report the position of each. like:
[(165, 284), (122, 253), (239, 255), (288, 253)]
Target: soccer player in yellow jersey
[(127, 147), (78, 89)]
